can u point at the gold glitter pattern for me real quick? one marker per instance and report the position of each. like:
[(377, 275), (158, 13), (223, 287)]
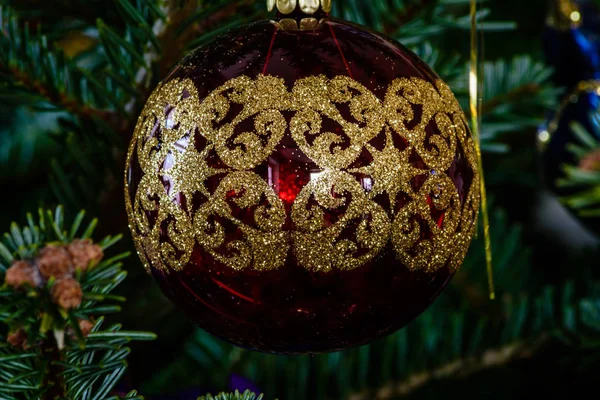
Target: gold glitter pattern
[(182, 142), (259, 99), (316, 98), (266, 244), (316, 241)]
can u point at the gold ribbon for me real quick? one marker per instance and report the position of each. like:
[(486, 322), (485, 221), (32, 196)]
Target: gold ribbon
[(474, 105)]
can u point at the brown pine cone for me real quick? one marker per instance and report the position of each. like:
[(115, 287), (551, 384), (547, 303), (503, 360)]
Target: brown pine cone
[(67, 293), (17, 338), (22, 273), (591, 162), (84, 253), (54, 261), (85, 326)]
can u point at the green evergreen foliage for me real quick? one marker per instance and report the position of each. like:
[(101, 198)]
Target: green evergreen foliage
[(585, 183), (247, 395), (74, 75), (58, 356)]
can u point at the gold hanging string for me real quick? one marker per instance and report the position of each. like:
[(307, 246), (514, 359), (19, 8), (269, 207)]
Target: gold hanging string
[(474, 102)]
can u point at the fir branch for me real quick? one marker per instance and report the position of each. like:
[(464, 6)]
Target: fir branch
[(406, 15), (29, 65), (516, 83), (33, 66), (460, 368), (247, 395), (55, 279), (174, 12), (510, 260), (516, 95), (95, 96), (175, 32), (583, 180), (464, 367), (196, 30), (386, 16), (45, 91), (86, 11), (529, 89)]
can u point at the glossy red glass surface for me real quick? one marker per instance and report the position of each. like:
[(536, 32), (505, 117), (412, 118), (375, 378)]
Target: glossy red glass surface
[(291, 309)]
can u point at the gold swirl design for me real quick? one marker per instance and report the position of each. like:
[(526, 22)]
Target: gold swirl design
[(436, 106), (317, 97), (420, 240), (261, 99), (167, 118), (266, 245), (337, 222), (317, 243)]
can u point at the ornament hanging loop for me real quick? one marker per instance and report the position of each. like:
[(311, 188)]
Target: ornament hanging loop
[(475, 125)]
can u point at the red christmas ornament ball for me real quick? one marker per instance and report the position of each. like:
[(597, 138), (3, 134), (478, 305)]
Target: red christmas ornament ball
[(302, 187)]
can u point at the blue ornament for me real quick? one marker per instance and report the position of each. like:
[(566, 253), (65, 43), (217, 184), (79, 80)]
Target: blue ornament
[(572, 48)]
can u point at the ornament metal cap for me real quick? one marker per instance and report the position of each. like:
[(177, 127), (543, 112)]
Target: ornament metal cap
[(309, 7)]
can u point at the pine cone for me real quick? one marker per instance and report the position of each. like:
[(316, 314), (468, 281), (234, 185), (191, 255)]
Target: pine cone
[(67, 293), (54, 261), (21, 273), (591, 162), (17, 338), (85, 326), (84, 253)]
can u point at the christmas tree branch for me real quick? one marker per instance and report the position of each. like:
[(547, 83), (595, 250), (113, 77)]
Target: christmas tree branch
[(521, 84), (174, 34), (46, 92), (247, 395), (56, 282), (176, 40), (583, 179), (527, 90), (516, 94), (165, 31), (61, 10), (460, 368), (35, 72), (407, 15), (53, 379)]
